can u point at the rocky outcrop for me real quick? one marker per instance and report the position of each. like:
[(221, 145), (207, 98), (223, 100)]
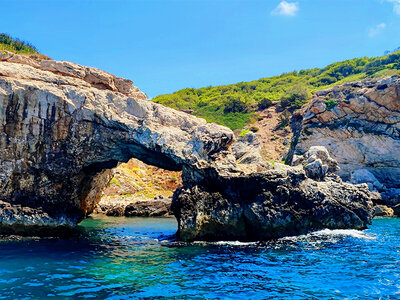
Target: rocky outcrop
[(247, 149), (270, 205), (64, 126), (359, 124), (383, 211), (160, 206), (60, 134), (156, 208), (317, 162)]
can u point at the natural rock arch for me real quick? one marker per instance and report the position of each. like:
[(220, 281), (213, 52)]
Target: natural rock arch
[(63, 126)]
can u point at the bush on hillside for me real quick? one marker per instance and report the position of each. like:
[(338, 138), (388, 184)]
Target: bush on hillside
[(296, 96), (16, 45), (234, 105)]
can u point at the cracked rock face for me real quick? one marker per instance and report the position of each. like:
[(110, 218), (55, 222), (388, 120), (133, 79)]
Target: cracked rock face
[(61, 130), (270, 205), (361, 130), (64, 126)]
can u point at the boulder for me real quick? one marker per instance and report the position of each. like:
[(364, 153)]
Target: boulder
[(383, 211), (149, 208), (317, 153), (320, 152), (247, 149), (315, 169), (365, 176)]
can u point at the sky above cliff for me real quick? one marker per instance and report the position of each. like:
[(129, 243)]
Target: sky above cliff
[(168, 45)]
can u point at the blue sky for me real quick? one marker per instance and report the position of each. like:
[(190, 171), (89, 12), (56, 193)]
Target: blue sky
[(167, 45)]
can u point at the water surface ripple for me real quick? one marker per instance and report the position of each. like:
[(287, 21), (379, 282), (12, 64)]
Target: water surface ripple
[(124, 258)]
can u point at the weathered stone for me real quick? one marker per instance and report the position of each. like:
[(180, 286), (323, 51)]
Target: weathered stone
[(391, 196), (315, 169), (61, 132), (95, 77), (365, 176), (269, 205), (247, 149), (152, 208), (115, 211), (396, 210), (361, 131), (383, 211)]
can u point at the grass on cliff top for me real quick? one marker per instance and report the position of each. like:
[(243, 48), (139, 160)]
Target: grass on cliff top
[(235, 105), (16, 45)]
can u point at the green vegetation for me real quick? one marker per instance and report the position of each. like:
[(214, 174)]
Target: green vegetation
[(15, 45), (244, 132), (330, 104), (234, 105)]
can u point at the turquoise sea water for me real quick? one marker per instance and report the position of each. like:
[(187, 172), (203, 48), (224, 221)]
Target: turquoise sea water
[(124, 258)]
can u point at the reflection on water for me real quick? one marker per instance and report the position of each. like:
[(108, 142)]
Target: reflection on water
[(121, 258)]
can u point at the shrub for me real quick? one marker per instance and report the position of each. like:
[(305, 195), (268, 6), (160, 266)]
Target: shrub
[(264, 103), (330, 104), (296, 96), (15, 45), (234, 104)]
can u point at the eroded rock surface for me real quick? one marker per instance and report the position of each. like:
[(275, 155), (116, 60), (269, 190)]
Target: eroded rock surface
[(160, 206), (361, 129), (64, 126), (270, 205), (359, 124), (60, 135)]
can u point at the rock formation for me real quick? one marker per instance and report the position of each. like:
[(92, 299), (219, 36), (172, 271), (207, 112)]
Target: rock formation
[(268, 205), (64, 126), (159, 206), (359, 124)]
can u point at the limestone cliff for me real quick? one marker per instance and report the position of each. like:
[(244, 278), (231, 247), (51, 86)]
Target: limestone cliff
[(359, 123), (64, 126)]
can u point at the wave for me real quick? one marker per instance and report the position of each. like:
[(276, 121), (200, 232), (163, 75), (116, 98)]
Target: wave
[(326, 233)]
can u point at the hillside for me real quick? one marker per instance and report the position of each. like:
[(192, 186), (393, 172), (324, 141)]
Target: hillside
[(236, 105), (136, 180)]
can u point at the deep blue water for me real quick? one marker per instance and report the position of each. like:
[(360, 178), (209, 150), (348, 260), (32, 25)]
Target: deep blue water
[(123, 258)]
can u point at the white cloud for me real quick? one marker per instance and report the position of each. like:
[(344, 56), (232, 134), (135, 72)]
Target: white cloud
[(396, 6), (376, 30), (287, 9)]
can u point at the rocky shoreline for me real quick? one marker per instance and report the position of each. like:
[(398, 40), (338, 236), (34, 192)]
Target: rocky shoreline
[(160, 206), (65, 126)]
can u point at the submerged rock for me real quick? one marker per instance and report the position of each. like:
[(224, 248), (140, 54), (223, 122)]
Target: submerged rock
[(64, 126)]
